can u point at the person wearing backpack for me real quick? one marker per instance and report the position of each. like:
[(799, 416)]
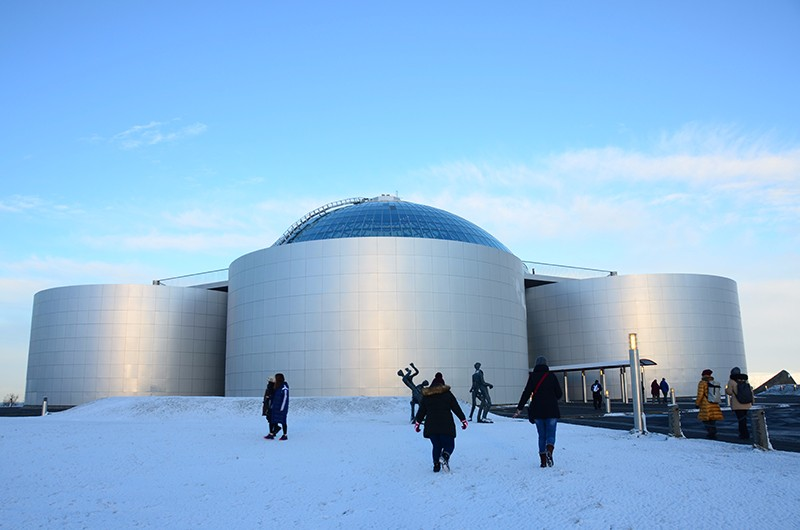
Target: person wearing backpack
[(707, 400), (741, 398)]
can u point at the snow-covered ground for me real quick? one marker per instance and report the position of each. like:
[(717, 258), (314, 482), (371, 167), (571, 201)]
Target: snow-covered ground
[(781, 390), (357, 463)]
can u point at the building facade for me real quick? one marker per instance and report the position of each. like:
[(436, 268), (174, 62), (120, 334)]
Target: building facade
[(359, 289)]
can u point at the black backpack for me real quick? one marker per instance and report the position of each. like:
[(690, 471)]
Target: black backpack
[(744, 392)]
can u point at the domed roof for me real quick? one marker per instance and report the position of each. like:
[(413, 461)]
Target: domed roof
[(385, 216)]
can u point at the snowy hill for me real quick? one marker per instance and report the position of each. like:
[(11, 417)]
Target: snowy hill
[(183, 462)]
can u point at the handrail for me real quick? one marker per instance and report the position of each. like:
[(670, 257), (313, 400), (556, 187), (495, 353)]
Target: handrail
[(318, 212)]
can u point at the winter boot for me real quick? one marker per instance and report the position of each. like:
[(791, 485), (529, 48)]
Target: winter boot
[(436, 467), (445, 460), (549, 454), (543, 458)]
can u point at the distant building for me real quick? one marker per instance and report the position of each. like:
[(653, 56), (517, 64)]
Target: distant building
[(356, 290)]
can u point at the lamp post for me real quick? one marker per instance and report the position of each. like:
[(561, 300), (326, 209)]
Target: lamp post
[(636, 383)]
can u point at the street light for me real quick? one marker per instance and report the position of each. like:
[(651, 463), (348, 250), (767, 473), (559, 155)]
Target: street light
[(636, 383)]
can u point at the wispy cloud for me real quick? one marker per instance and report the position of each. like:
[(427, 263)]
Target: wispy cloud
[(20, 203), (154, 133), (30, 204)]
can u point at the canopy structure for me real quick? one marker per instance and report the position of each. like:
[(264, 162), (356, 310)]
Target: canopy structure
[(602, 366)]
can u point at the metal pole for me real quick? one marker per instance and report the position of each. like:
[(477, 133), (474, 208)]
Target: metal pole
[(608, 396), (44, 407), (672, 396), (636, 384), (623, 395), (583, 385), (566, 388)]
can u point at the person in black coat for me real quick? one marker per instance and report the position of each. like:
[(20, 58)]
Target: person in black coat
[(544, 392), (436, 410), (279, 408), (267, 403)]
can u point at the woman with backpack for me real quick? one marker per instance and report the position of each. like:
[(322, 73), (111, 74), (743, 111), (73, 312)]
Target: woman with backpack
[(707, 400), (741, 398)]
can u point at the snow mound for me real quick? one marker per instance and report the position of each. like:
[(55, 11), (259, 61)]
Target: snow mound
[(206, 408)]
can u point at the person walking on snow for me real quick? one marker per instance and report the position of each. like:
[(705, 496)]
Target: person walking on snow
[(267, 403), (279, 408), (544, 392), (436, 411)]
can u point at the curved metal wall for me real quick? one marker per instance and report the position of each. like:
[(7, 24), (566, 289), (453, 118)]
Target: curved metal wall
[(95, 341), (340, 317), (684, 322)]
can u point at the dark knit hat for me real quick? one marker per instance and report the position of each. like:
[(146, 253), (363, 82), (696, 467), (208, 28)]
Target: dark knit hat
[(735, 371), (438, 379), (707, 372), (540, 361)]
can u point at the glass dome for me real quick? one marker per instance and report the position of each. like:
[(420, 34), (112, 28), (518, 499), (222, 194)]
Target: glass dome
[(386, 216)]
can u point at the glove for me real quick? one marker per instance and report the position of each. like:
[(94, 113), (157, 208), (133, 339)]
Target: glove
[(463, 424), (416, 426)]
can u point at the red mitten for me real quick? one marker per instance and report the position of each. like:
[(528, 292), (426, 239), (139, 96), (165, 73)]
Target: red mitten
[(463, 424), (416, 426)]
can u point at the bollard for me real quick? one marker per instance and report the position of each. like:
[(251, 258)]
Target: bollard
[(44, 407), (760, 433), (675, 420), (608, 403)]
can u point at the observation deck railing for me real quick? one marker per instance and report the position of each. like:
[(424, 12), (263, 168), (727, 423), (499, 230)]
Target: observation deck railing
[(565, 271)]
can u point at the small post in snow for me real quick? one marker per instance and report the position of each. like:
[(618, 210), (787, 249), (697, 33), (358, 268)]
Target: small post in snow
[(760, 432), (608, 403), (675, 419), (44, 407)]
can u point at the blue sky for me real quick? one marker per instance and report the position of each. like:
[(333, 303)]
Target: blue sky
[(145, 140)]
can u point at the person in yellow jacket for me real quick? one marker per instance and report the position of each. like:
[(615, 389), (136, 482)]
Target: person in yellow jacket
[(707, 400)]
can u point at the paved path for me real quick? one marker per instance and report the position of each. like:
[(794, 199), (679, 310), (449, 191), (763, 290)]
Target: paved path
[(782, 412)]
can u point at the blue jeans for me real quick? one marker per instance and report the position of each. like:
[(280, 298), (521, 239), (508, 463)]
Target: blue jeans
[(442, 442), (547, 432)]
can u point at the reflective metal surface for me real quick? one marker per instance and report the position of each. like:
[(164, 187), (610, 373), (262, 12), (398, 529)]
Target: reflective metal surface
[(94, 341), (340, 317), (684, 322)]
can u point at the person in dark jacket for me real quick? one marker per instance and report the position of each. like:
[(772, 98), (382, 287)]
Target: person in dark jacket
[(544, 392), (597, 394), (279, 408), (267, 403), (655, 390), (664, 388), (436, 410), (738, 408)]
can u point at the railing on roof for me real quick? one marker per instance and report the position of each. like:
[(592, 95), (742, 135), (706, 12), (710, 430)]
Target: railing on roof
[(195, 280), (565, 271), (318, 212)]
